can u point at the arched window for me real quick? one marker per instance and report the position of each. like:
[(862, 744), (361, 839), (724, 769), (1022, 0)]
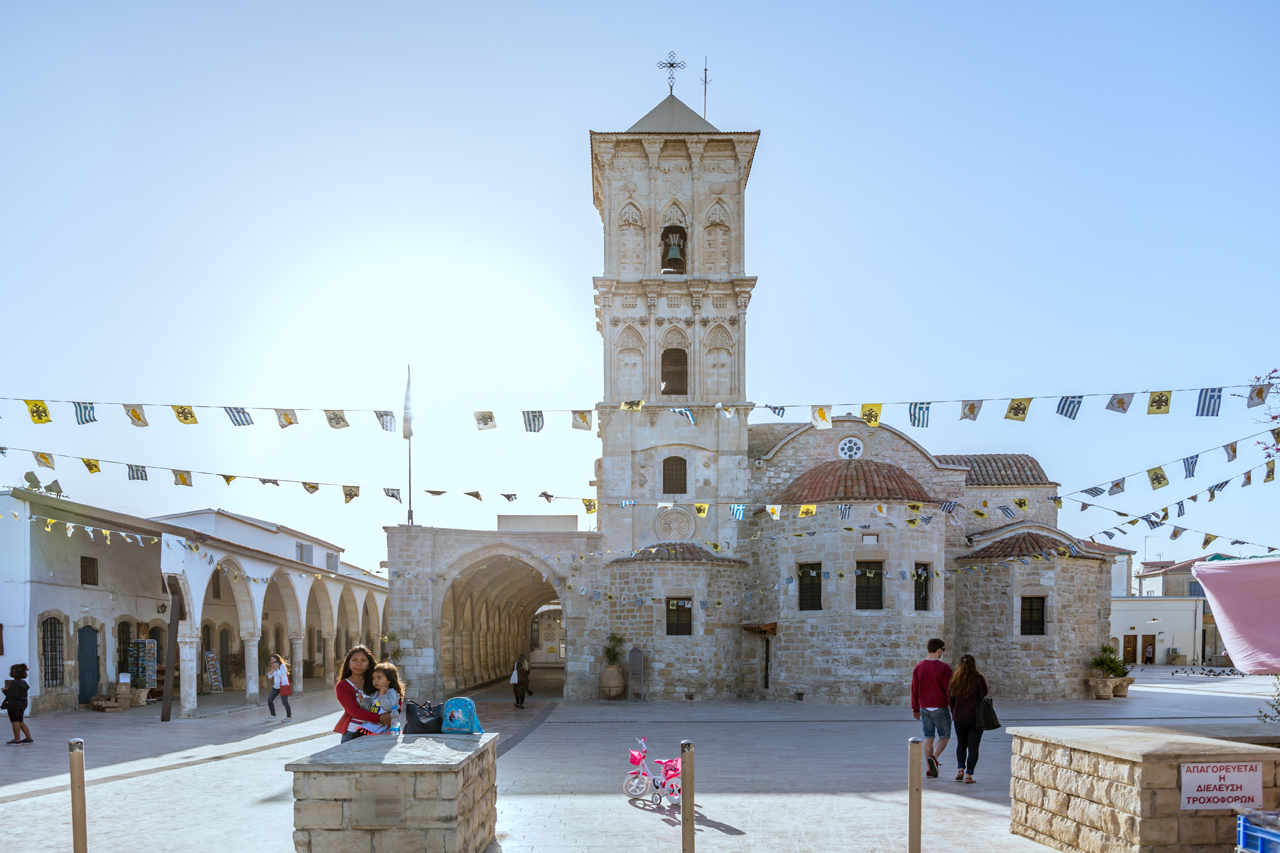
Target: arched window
[(674, 246), (51, 652), (675, 372), (216, 580), (674, 478)]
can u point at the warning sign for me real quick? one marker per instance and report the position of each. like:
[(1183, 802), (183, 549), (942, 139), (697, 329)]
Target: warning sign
[(1222, 785)]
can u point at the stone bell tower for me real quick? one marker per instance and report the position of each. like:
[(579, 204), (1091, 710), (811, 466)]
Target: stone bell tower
[(672, 309)]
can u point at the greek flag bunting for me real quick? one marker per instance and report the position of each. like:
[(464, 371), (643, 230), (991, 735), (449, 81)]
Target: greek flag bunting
[(239, 416), (1093, 491), (919, 415), (1181, 510), (1069, 407), (1217, 488), (1189, 466), (948, 507), (84, 413), (625, 504), (1071, 546), (1209, 403), (1008, 513), (137, 472), (1108, 534), (925, 519), (533, 421), (780, 411), (686, 413), (738, 510), (392, 493), (388, 422), (845, 509), (1153, 523)]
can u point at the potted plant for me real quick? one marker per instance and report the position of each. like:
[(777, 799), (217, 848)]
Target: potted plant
[(611, 680), (1110, 671)]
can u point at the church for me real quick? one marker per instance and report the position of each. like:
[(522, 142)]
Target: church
[(804, 561)]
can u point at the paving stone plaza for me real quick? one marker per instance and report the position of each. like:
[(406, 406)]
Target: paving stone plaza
[(770, 776)]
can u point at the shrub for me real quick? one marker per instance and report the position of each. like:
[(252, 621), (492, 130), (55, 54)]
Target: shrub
[(613, 649)]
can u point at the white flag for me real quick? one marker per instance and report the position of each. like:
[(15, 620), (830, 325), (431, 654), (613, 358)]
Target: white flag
[(408, 409), (820, 416)]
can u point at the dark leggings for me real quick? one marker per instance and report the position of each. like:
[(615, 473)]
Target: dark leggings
[(968, 738), (271, 702)]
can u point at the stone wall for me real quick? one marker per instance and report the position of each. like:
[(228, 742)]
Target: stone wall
[(1111, 790)]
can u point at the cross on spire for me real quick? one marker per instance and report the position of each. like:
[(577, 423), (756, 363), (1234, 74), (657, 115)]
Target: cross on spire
[(671, 65)]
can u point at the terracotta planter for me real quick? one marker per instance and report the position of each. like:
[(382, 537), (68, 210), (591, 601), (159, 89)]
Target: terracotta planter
[(1103, 688), (611, 682), (1121, 689)]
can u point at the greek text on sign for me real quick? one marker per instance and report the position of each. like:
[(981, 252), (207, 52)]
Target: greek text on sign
[(1222, 785)]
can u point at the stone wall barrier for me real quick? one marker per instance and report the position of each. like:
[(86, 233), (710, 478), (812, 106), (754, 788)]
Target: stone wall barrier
[(411, 794), (1116, 789)]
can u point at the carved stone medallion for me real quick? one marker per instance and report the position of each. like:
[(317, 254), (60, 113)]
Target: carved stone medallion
[(673, 525)]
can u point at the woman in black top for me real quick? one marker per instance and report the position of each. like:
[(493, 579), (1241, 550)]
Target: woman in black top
[(15, 702), (968, 688)]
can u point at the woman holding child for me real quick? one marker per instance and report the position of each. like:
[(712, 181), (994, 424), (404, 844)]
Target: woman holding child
[(356, 694)]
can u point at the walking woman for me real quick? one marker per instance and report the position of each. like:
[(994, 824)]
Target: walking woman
[(968, 688), (15, 702), (520, 680), (353, 692), (279, 675)]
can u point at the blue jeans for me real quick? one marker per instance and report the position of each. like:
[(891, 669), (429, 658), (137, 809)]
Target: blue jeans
[(271, 702), (936, 721), (968, 739)]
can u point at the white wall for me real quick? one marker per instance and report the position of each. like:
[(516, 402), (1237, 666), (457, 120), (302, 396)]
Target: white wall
[(1121, 576), (1178, 627)]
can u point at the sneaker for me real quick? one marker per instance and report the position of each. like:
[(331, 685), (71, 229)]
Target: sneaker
[(933, 768), (271, 719), (287, 720)]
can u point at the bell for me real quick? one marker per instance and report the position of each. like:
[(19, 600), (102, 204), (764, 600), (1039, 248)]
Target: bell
[(673, 254)]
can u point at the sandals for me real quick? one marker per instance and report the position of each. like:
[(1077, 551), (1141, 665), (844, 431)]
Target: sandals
[(960, 775), (968, 780)]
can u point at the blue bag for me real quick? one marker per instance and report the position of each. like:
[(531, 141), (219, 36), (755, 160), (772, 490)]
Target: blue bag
[(460, 717)]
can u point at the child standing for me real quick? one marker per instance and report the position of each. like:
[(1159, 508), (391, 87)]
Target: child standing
[(385, 699), (15, 702)]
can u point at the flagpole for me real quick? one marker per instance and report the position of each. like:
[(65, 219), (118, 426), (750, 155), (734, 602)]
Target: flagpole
[(409, 437)]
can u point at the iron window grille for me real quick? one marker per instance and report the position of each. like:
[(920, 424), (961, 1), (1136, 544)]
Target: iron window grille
[(810, 595), (869, 586), (674, 475), (922, 586), (88, 571), (1033, 616), (679, 617), (51, 652)]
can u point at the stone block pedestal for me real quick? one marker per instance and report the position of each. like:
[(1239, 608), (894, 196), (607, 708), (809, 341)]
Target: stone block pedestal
[(381, 794), (1115, 789)]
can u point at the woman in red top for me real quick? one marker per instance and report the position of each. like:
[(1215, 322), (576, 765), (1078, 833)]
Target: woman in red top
[(356, 684)]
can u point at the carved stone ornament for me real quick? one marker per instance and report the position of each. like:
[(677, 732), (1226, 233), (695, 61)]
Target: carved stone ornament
[(673, 525), (658, 321), (718, 187), (630, 215), (675, 339), (704, 321), (643, 321), (614, 321), (630, 339), (718, 338), (630, 187), (688, 322), (674, 215), (718, 214), (733, 321)]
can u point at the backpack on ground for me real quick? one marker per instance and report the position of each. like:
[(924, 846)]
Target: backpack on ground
[(460, 717), (422, 721)]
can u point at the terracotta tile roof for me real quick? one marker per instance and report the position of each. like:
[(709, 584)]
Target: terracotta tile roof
[(1019, 545), (999, 469), (853, 480), (1107, 549), (676, 552)]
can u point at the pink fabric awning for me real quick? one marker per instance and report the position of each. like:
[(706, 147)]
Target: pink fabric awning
[(1245, 597)]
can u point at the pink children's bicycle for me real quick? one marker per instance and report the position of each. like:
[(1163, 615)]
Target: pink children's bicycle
[(641, 783)]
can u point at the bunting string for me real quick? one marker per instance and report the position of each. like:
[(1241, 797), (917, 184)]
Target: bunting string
[(136, 413)]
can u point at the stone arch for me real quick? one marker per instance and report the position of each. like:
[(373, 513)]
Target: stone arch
[(719, 337), (718, 362), (235, 580), (104, 638), (629, 339), (53, 696), (348, 605), (282, 581), (370, 621), (630, 214), (630, 245), (718, 213), (675, 338), (674, 214)]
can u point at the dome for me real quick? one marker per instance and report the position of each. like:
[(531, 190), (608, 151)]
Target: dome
[(675, 552), (853, 480)]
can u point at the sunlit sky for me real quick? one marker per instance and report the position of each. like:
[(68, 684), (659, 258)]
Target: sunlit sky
[(271, 204)]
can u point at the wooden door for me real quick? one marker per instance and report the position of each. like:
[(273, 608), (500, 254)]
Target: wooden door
[(87, 658), (1130, 648), (1148, 642), (768, 650)]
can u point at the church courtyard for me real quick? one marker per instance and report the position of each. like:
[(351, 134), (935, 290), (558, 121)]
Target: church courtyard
[(770, 776)]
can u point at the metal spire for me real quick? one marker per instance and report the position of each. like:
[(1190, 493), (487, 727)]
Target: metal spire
[(671, 65)]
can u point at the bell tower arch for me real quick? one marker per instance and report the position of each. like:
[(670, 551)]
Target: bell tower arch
[(671, 305)]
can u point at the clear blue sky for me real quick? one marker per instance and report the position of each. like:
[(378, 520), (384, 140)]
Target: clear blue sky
[(283, 204)]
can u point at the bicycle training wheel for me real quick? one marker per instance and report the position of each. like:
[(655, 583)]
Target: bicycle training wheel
[(673, 791)]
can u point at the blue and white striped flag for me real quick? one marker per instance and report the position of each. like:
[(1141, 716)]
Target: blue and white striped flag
[(626, 504), (738, 510), (1181, 510), (1024, 561), (902, 573), (1093, 491), (919, 414), (925, 519), (948, 506), (388, 421), (533, 421), (1153, 523), (1069, 407), (1209, 403), (1108, 534), (1217, 488), (780, 411), (239, 416), (1189, 465), (137, 472), (845, 509), (686, 413), (392, 493), (1071, 546), (1008, 512), (84, 413)]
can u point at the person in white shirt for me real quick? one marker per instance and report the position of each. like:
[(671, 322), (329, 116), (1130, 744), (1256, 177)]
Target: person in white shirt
[(279, 675)]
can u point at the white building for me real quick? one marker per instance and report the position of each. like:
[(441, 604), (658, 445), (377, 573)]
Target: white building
[(1167, 614), (80, 582)]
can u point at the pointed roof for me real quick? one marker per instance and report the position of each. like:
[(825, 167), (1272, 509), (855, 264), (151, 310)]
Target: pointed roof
[(672, 116)]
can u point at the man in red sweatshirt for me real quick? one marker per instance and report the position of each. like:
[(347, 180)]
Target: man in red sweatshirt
[(930, 685)]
